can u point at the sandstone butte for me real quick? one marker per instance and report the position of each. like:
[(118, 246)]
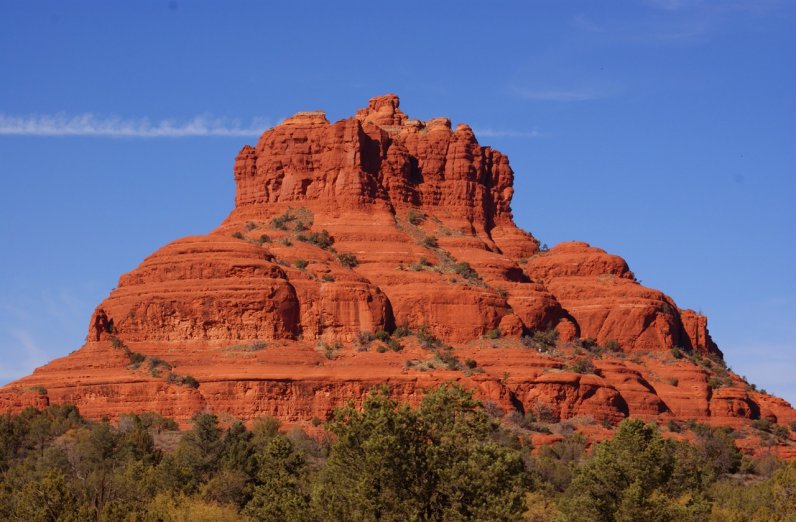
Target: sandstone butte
[(372, 223)]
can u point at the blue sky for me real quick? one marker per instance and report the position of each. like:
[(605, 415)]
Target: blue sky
[(663, 131)]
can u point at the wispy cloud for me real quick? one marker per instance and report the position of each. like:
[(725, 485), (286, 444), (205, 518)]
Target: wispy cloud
[(487, 132), (28, 356), (116, 127)]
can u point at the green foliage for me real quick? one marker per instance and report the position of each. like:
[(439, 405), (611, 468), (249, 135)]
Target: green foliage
[(363, 340), (135, 358), (762, 424), (301, 264), (264, 238), (300, 219), (542, 341), (254, 346), (553, 468), (435, 463), (187, 380), (466, 271), (415, 217), (429, 242), (239, 235), (382, 335), (156, 364), (632, 477), (444, 460), (347, 260), (583, 365), (281, 492), (493, 334), (320, 239), (781, 432), (403, 331), (426, 339)]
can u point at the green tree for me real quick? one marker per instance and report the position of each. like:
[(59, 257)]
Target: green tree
[(628, 478), (281, 491), (437, 462), (196, 457)]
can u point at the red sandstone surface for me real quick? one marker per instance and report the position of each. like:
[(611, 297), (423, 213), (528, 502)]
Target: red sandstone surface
[(264, 311)]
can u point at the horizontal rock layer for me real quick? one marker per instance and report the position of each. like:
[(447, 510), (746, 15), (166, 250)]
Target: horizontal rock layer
[(371, 223)]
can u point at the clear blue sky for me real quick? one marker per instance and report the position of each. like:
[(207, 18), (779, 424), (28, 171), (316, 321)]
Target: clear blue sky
[(663, 131)]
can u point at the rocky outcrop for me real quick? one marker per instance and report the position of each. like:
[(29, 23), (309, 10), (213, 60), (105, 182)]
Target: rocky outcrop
[(381, 222)]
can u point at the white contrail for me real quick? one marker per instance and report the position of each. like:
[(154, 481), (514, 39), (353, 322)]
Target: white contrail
[(113, 126)]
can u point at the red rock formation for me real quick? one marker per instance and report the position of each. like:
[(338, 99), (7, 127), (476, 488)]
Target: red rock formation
[(367, 224)]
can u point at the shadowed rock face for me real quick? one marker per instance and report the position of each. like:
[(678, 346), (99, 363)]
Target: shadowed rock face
[(367, 224)]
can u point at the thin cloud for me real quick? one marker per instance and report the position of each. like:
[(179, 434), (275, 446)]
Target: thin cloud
[(116, 127)]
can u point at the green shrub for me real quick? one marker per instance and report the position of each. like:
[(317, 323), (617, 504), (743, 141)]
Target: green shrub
[(471, 363), (301, 264), (41, 390), (382, 335), (415, 217), (255, 346), (402, 331), (117, 343), (543, 341), (394, 345), (427, 339), (381, 348), (583, 365), (466, 271), (493, 334), (327, 278), (189, 381), (281, 222), (135, 358), (156, 364), (429, 242), (446, 357), (320, 239), (347, 260), (779, 431), (762, 424), (363, 339), (264, 238), (676, 352), (793, 426), (238, 235), (612, 345)]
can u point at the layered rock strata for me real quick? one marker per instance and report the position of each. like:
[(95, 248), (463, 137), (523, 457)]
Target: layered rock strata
[(378, 223)]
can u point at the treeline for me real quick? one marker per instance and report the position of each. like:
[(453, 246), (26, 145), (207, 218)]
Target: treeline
[(447, 459)]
